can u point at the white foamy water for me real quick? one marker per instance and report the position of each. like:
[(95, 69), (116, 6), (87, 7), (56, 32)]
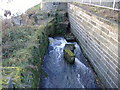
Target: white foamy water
[(60, 73), (16, 6)]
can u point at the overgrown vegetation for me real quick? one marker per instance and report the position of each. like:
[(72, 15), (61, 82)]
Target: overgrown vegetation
[(109, 14), (23, 50)]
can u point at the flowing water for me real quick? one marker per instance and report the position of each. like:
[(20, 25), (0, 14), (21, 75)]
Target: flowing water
[(59, 74)]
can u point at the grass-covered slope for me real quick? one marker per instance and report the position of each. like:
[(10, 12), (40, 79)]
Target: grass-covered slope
[(23, 50)]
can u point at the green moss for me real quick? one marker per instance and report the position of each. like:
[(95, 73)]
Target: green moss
[(69, 52), (69, 56)]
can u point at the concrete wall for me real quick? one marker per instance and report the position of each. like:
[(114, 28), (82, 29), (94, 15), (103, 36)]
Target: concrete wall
[(98, 38), (48, 6), (52, 6)]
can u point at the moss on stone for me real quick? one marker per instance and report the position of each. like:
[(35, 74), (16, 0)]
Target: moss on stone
[(69, 52), (69, 56), (70, 46)]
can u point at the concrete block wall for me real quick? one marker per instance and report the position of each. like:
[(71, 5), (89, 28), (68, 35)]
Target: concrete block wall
[(98, 38)]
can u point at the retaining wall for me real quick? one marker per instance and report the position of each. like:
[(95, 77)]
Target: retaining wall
[(98, 38)]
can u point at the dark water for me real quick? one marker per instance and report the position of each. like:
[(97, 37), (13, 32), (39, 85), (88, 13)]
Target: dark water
[(59, 74)]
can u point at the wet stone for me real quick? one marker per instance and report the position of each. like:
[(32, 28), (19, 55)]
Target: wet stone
[(70, 46), (70, 38), (69, 53)]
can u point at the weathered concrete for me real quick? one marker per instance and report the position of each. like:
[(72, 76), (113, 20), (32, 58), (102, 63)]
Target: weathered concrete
[(98, 38)]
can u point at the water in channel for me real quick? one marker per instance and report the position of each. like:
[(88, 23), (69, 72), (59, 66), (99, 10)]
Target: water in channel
[(59, 74)]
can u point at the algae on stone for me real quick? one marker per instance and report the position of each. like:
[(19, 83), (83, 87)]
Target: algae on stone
[(69, 56), (70, 46)]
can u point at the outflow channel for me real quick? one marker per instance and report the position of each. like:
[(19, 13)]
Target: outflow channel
[(59, 74)]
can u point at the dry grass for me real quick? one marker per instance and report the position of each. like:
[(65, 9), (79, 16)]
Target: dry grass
[(103, 12)]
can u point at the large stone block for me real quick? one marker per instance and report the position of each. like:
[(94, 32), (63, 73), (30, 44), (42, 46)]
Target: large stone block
[(68, 53), (69, 56), (70, 46), (70, 38), (98, 38)]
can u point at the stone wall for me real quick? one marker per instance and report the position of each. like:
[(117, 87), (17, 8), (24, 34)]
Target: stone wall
[(98, 38), (52, 6)]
